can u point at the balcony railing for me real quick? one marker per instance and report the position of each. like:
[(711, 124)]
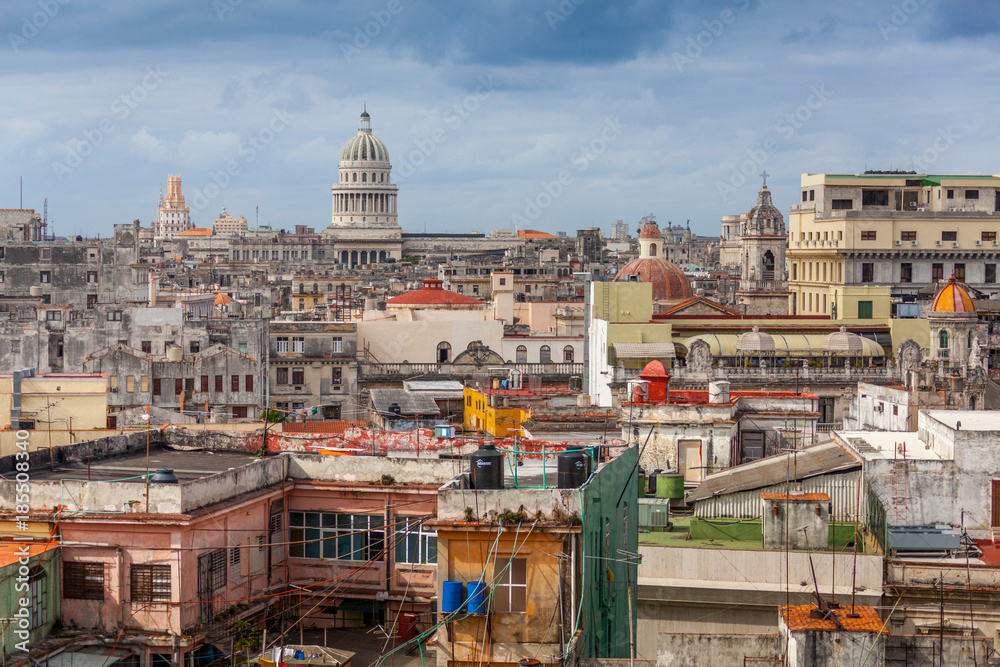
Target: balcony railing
[(375, 371), (770, 375)]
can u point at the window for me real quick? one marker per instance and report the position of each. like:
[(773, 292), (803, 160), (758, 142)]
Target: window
[(342, 536), (91, 276), (568, 354), (989, 236), (204, 384), (510, 592), (45, 277), (281, 375), (46, 253), (864, 310), (156, 386), (83, 581), (959, 272), (908, 236), (503, 281), (868, 236), (949, 236), (234, 383), (937, 272), (298, 376), (544, 355), (298, 344), (189, 385), (991, 273), (943, 339), (144, 383), (282, 344), (239, 412), (874, 198), (194, 346), (38, 584), (906, 273), (150, 583), (521, 354), (212, 569), (147, 346), (178, 386), (248, 383), (443, 352), (114, 316), (91, 301), (218, 384), (338, 345), (812, 195), (951, 194), (972, 194), (337, 378), (130, 383), (867, 272), (53, 316), (805, 195), (415, 544), (842, 204), (243, 347)]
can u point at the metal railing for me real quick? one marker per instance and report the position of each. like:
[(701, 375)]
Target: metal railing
[(758, 374), (370, 370)]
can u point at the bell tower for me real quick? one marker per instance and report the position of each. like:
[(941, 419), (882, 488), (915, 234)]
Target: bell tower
[(763, 238)]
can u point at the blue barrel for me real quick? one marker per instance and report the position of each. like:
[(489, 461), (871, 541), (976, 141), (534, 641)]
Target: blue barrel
[(477, 598), (452, 596)]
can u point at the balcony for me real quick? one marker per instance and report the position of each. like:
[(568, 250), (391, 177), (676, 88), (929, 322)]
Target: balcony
[(771, 375), (375, 371)]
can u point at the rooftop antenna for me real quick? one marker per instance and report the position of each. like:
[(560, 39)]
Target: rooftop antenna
[(45, 218), (21, 192)]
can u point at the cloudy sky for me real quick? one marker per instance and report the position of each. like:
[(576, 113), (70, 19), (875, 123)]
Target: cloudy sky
[(549, 114)]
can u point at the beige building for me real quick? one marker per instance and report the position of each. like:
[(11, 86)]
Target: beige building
[(56, 401), (172, 214), (227, 225), (903, 231)]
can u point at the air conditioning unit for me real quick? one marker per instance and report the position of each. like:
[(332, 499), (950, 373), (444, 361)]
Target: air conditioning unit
[(994, 243), (955, 244), (899, 243), (937, 243), (659, 518), (979, 243), (913, 243)]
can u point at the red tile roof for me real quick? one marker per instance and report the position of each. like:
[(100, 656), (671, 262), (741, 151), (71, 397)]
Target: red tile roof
[(534, 234), (795, 496), (432, 294), (797, 619)]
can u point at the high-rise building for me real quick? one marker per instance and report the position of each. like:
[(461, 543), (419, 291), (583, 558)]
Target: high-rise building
[(227, 225), (172, 215)]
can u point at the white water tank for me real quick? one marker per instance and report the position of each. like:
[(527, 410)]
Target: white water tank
[(718, 392), (173, 353), (35, 290)]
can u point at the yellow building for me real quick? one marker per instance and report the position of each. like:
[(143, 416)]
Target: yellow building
[(56, 401), (483, 414), (901, 231)]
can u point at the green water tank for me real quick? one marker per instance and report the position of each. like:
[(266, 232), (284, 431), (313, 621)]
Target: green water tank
[(669, 486)]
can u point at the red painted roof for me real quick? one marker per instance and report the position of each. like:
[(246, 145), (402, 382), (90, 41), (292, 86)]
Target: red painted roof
[(650, 231), (668, 281), (432, 294), (795, 496), (534, 234)]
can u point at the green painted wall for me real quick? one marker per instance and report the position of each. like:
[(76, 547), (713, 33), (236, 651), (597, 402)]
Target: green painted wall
[(610, 527), (49, 562)]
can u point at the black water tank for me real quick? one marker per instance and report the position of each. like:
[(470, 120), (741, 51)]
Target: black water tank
[(574, 469), (651, 482), (163, 476), (486, 468)]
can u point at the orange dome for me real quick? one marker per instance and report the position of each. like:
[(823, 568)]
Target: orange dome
[(651, 231), (668, 281), (953, 298), (654, 369)]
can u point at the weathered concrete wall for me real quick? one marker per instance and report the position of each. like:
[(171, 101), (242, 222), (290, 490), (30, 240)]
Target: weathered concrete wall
[(834, 649), (797, 524), (697, 650), (927, 650), (321, 467), (485, 504)]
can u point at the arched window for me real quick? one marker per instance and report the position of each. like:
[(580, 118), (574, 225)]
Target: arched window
[(568, 354), (545, 355), (943, 339), (373, 177), (381, 178), (364, 177), (329, 287), (652, 250), (355, 178), (521, 354), (315, 288), (444, 352), (302, 304), (302, 288)]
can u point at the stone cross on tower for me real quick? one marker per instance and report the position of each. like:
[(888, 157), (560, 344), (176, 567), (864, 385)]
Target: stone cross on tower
[(764, 176)]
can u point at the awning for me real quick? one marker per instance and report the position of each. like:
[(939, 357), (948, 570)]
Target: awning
[(785, 345), (644, 350)]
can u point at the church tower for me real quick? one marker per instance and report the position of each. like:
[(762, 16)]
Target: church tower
[(763, 288)]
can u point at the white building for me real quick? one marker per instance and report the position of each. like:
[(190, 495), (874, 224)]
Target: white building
[(172, 216)]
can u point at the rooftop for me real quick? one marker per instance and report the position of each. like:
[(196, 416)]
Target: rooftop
[(186, 465), (851, 619), (872, 445), (967, 420)]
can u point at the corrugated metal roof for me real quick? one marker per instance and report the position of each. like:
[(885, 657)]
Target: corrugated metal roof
[(434, 385), (785, 345), (826, 458), (410, 403), (644, 350)]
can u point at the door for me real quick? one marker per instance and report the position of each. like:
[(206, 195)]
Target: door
[(996, 504), (689, 460), (752, 446)]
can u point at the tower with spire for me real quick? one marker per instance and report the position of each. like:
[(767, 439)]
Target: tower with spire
[(763, 287)]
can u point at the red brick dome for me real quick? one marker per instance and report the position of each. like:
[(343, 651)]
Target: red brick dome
[(668, 281)]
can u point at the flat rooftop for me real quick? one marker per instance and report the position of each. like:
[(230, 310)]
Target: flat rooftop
[(874, 445), (187, 465), (968, 420)]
